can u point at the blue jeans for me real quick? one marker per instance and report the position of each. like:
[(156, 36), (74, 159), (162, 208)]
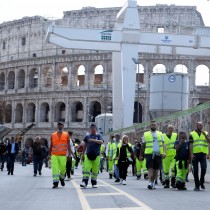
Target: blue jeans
[(116, 171), (199, 157), (38, 162)]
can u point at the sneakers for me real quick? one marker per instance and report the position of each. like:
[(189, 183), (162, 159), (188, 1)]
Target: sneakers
[(55, 185), (94, 186), (196, 189), (121, 181), (34, 174), (110, 176), (117, 180), (83, 185), (124, 182), (150, 186), (40, 173), (138, 177), (153, 186), (202, 186), (62, 182)]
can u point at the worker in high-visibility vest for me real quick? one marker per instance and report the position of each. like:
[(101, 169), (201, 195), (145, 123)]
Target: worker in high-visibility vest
[(110, 150), (91, 156), (153, 149), (199, 141), (59, 146), (102, 157), (169, 161)]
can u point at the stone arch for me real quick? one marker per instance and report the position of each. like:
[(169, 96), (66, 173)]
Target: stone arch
[(60, 112), (64, 76), (98, 74), (33, 78), (8, 113), (19, 113), (21, 79), (137, 112), (95, 110), (180, 68), (159, 68), (47, 79), (80, 75), (77, 112), (140, 73), (31, 111), (44, 112), (11, 80), (2, 81), (202, 75)]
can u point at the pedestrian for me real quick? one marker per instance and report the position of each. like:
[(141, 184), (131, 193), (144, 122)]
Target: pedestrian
[(69, 157), (182, 160), (169, 161), (153, 150), (91, 156), (12, 151), (102, 157), (199, 141), (110, 150), (24, 157), (3, 151), (117, 140), (124, 152), (59, 144), (38, 155)]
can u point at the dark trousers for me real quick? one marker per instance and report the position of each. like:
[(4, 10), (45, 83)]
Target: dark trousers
[(10, 163), (68, 166), (77, 161), (123, 168), (2, 160), (38, 162), (199, 157)]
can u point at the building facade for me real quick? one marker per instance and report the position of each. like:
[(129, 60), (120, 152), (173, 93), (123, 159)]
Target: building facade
[(43, 83)]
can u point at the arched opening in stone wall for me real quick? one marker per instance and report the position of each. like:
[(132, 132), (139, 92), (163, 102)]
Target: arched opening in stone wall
[(44, 142), (60, 112), (2, 81), (77, 112), (21, 79), (48, 77), (31, 111), (8, 113), (98, 74), (19, 113), (95, 110), (11, 80), (140, 73), (137, 115), (202, 76), (44, 112), (159, 68), (33, 78), (180, 68), (64, 76), (81, 75)]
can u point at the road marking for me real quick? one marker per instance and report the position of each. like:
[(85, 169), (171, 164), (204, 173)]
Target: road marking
[(125, 208), (102, 194), (135, 200), (83, 201)]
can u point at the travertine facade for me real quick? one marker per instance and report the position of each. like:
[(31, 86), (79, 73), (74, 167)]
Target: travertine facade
[(42, 83)]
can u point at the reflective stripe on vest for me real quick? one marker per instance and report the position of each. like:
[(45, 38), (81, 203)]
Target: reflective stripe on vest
[(149, 142), (200, 145), (169, 143), (59, 145)]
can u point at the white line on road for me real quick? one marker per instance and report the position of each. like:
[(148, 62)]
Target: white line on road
[(102, 194)]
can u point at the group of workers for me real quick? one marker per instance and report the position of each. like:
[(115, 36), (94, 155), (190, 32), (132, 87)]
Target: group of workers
[(168, 153)]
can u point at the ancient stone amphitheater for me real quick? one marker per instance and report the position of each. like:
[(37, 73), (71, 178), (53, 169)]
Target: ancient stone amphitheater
[(42, 83)]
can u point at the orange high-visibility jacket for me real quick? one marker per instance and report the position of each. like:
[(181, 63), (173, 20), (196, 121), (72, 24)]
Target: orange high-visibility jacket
[(59, 145)]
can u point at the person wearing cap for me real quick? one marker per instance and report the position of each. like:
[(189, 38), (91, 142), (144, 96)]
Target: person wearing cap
[(59, 146), (91, 156)]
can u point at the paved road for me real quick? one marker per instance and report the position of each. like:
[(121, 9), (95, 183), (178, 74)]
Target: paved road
[(25, 192)]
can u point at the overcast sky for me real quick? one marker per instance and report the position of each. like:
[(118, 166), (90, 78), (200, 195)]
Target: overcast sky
[(16, 9)]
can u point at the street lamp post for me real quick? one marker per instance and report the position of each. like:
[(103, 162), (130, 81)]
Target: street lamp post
[(137, 62)]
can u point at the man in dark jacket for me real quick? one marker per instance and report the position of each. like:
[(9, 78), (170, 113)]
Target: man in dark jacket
[(38, 155), (12, 151), (3, 151)]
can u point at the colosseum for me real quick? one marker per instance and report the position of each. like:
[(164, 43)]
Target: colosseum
[(41, 83)]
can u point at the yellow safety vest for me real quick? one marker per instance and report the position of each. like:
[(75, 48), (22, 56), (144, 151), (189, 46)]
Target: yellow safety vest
[(169, 143), (102, 150), (200, 145), (149, 142), (111, 148)]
